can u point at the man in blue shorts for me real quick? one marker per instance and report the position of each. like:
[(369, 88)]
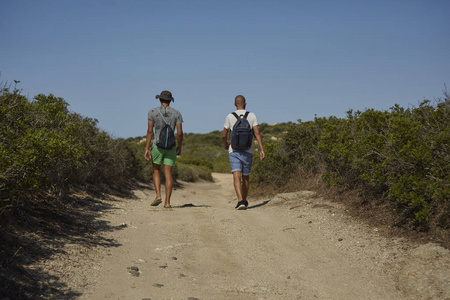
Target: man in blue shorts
[(241, 160), (160, 156)]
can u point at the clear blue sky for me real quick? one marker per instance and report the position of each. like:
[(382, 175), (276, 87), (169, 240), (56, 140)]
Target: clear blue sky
[(290, 59)]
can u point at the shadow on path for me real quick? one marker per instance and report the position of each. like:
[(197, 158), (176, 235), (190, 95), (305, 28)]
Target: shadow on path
[(190, 205), (259, 205), (41, 230)]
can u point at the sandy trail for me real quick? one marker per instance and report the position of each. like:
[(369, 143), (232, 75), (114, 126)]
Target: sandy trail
[(296, 246)]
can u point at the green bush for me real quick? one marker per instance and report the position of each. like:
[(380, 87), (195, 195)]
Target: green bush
[(184, 172), (276, 168), (191, 173), (45, 149), (206, 148), (196, 162), (38, 151), (401, 153)]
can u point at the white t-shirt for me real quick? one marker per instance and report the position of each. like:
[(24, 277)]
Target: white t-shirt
[(230, 120)]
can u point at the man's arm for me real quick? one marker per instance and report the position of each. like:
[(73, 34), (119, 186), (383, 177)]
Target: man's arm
[(179, 138), (148, 154), (225, 138), (258, 136)]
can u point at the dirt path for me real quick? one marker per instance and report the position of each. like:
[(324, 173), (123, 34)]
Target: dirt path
[(295, 246)]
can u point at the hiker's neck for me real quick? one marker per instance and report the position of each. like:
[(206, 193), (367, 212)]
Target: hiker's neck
[(165, 105)]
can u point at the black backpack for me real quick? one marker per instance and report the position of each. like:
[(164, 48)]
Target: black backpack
[(242, 133), (166, 136)]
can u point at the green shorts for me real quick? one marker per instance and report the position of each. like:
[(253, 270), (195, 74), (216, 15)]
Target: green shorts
[(163, 156)]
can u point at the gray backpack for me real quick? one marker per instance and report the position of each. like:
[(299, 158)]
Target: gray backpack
[(166, 136)]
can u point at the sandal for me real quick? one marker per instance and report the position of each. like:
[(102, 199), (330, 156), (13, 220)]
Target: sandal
[(170, 206), (156, 202)]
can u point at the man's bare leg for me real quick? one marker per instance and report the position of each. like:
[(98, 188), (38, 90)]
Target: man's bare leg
[(169, 184), (157, 181), (237, 185), (245, 186)]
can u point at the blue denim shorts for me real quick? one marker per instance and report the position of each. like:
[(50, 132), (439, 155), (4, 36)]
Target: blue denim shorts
[(241, 161)]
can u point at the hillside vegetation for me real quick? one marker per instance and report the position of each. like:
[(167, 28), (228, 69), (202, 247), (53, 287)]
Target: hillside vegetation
[(400, 156), (203, 153), (46, 150)]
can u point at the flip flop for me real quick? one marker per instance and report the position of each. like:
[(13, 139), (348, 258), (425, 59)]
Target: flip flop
[(170, 206), (156, 203)]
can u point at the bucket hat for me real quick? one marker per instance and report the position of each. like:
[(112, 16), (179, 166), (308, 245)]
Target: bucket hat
[(165, 95)]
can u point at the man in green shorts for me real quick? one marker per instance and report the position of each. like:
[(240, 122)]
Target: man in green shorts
[(157, 118)]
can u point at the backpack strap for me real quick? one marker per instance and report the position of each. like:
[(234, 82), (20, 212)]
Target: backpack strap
[(245, 115), (168, 123), (172, 116)]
